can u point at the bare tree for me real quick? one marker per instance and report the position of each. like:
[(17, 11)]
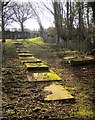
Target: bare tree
[(58, 15), (56, 9), (3, 17), (92, 5), (36, 9), (22, 12)]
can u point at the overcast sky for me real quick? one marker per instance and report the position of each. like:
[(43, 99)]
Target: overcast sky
[(47, 20)]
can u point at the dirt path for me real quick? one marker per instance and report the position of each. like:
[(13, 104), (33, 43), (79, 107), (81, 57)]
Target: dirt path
[(22, 101)]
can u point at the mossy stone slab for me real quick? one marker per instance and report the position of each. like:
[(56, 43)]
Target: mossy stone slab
[(84, 62), (23, 51), (17, 43), (25, 54), (36, 66), (79, 60), (69, 57), (58, 92), (43, 76), (27, 58), (32, 60)]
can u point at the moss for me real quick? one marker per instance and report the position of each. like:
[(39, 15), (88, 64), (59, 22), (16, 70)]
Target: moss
[(79, 59), (36, 66), (11, 111), (69, 57), (71, 52), (86, 113), (43, 76), (26, 58), (9, 49), (36, 109), (37, 40), (23, 51), (23, 80), (53, 76), (58, 92), (34, 60), (25, 54)]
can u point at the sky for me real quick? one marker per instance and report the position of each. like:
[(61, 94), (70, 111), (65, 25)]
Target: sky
[(32, 24)]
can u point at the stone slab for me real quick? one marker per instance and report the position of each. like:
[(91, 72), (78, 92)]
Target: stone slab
[(36, 66), (43, 76), (32, 60), (23, 51), (17, 43), (79, 60), (27, 58), (57, 92), (25, 54)]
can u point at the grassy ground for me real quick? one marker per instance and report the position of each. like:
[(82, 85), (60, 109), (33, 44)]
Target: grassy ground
[(24, 100)]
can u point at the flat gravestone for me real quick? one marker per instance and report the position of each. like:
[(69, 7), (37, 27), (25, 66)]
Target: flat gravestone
[(27, 58), (58, 92), (43, 76), (23, 51), (79, 60), (25, 54), (17, 43), (36, 66), (32, 60)]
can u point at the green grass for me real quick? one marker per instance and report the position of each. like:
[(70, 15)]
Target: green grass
[(86, 113), (37, 40), (8, 48)]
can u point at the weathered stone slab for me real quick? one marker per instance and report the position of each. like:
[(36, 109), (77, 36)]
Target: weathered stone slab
[(26, 58), (58, 92), (17, 43), (43, 76), (36, 66), (32, 60), (25, 54), (21, 48), (79, 60), (69, 57), (23, 51)]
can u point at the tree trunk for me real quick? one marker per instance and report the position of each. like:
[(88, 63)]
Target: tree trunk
[(3, 27), (71, 19), (88, 15), (81, 24), (58, 16), (67, 15), (22, 30)]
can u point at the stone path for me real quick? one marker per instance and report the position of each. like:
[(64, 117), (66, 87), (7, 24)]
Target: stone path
[(37, 70)]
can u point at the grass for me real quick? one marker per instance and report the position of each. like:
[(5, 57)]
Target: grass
[(8, 48), (86, 113), (37, 40)]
